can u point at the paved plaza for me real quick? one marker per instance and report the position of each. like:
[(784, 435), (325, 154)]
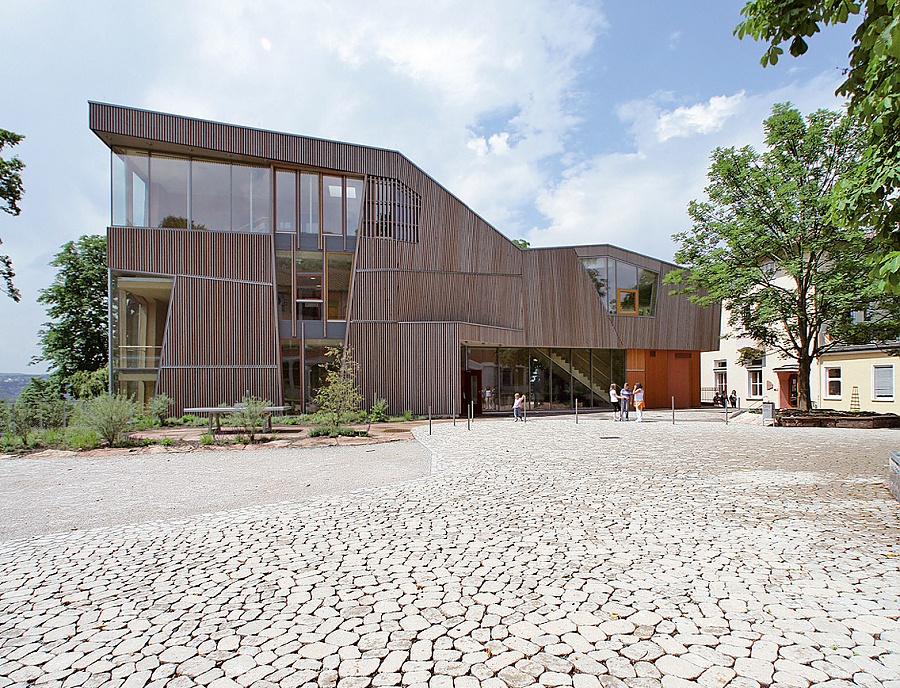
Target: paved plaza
[(597, 554)]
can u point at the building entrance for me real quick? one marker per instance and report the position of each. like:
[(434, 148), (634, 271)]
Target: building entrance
[(471, 391)]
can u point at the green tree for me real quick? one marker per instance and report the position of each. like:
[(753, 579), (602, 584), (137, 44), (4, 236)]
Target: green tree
[(766, 245), (11, 191), (76, 339), (338, 400), (870, 195), (521, 243)]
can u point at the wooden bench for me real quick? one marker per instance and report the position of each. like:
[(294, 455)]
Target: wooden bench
[(215, 412)]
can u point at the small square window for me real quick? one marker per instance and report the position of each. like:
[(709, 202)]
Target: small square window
[(833, 383), (883, 383)]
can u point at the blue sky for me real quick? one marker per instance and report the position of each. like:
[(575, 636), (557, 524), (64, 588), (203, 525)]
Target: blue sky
[(559, 122)]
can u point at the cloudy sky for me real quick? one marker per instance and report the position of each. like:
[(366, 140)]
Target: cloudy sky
[(559, 122)]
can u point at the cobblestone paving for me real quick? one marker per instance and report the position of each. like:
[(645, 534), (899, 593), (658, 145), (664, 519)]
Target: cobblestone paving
[(594, 554)]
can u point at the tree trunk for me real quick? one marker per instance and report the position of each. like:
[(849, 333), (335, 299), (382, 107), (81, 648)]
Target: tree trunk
[(805, 366)]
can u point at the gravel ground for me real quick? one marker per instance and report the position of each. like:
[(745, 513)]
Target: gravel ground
[(597, 555), (51, 494)]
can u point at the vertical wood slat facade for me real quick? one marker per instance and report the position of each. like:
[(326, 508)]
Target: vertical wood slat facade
[(220, 341), (419, 291)]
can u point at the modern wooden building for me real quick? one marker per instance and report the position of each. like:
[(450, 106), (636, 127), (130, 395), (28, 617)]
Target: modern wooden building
[(237, 255)]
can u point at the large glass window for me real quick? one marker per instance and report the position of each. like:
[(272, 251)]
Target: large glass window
[(647, 292), (169, 191), (624, 289), (250, 199), (514, 370), (485, 360), (332, 205), (131, 189), (211, 195), (340, 268), (600, 376), (541, 371), (285, 201), (153, 190), (561, 382), (315, 367), (354, 200), (291, 378), (284, 274), (309, 203), (140, 308), (309, 284), (596, 268), (581, 377)]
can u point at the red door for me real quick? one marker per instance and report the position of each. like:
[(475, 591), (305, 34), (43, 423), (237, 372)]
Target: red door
[(471, 391)]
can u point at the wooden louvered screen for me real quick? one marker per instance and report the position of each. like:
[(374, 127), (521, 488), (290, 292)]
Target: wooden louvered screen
[(391, 210)]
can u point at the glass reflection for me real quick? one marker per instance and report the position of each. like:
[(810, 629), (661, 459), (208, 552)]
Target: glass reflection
[(286, 201), (210, 195), (131, 189), (250, 199), (309, 203), (169, 191), (354, 204), (340, 268), (332, 205)]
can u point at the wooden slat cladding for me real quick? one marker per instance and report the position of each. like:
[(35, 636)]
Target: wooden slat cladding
[(678, 324), (210, 329), (562, 307), (390, 211), (411, 365), (211, 324), (191, 387), (225, 255)]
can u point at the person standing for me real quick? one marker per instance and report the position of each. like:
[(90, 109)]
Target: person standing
[(733, 398), (624, 401), (517, 407), (614, 400), (639, 401)]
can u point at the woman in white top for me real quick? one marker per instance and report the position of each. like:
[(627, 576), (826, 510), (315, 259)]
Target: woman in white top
[(639, 401), (614, 399)]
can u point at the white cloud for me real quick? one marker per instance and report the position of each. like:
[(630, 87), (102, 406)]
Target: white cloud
[(638, 200), (702, 118)]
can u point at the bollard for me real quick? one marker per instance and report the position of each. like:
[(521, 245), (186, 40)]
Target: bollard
[(576, 412), (673, 410), (429, 419), (726, 415)]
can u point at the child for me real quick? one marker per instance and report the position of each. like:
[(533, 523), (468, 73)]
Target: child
[(614, 399), (639, 401), (517, 406)]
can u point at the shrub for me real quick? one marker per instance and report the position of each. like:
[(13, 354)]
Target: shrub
[(158, 408), (16, 420), (206, 439), (108, 416), (378, 412), (80, 437), (338, 399), (167, 441), (407, 415), (328, 431), (250, 415)]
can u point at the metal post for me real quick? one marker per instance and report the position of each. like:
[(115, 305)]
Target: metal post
[(525, 411), (673, 410), (726, 415), (576, 412), (469, 417), (429, 419)]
